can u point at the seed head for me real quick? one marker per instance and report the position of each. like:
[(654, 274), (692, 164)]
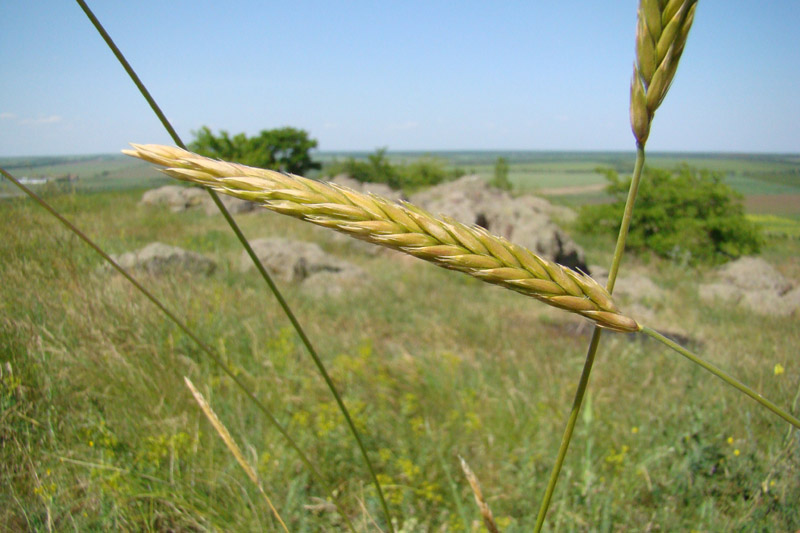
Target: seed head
[(400, 226), (661, 33)]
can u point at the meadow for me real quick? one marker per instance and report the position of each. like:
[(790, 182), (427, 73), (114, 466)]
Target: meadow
[(98, 431)]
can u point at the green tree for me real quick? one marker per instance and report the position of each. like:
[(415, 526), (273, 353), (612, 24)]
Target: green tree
[(500, 179), (286, 149), (688, 215)]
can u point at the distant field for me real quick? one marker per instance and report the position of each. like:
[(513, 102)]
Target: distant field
[(750, 174), (774, 204), (770, 182), (94, 172)]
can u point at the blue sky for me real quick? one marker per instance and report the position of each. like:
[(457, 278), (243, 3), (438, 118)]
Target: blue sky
[(408, 75)]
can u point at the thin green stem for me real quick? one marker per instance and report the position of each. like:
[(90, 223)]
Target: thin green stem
[(627, 215), (573, 417), (619, 250), (721, 374), (250, 252), (205, 348), (132, 73)]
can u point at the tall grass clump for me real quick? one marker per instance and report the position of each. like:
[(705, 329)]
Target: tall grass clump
[(410, 403)]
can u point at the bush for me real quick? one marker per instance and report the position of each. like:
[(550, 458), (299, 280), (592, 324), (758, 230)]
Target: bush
[(423, 172), (688, 215), (500, 178)]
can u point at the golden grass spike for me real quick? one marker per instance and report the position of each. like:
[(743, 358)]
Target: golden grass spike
[(225, 435), (486, 512), (661, 33), (400, 226)]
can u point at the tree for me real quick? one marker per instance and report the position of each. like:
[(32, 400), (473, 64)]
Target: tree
[(688, 215), (500, 179), (286, 149)]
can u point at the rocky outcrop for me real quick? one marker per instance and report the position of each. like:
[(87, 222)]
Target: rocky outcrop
[(303, 262), (176, 197), (234, 206), (157, 259), (381, 189), (637, 288), (524, 220), (179, 198), (753, 284)]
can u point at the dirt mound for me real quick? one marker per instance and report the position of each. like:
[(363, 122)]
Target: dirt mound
[(755, 285)]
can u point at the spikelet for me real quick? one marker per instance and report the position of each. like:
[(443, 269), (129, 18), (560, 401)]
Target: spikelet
[(661, 33), (400, 226), (225, 435), (483, 506)]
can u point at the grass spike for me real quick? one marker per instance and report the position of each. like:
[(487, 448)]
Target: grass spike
[(468, 249)]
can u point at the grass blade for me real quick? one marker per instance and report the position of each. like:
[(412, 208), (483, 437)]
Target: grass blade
[(721, 374)]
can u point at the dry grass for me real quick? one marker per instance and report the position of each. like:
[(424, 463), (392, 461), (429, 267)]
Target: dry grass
[(226, 437)]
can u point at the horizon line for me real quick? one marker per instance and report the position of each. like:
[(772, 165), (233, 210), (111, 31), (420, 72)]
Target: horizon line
[(692, 153)]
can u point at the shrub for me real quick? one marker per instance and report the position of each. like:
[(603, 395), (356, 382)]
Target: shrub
[(688, 215), (376, 169), (423, 172), (500, 179)]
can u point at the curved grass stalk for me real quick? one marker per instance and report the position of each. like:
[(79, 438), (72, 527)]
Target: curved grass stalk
[(251, 253), (721, 374), (205, 348)]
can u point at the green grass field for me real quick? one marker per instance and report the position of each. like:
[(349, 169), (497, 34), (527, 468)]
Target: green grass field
[(98, 431)]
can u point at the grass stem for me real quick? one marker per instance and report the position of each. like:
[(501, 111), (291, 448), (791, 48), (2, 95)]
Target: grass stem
[(619, 250), (627, 215), (721, 374), (250, 252), (573, 417)]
